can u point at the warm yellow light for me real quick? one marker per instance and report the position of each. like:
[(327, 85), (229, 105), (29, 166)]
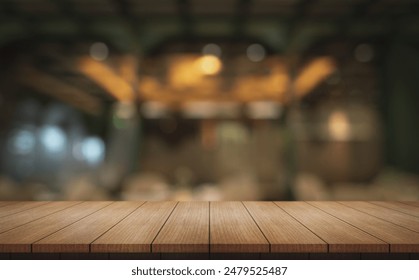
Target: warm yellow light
[(209, 64), (312, 74), (270, 86), (107, 78), (183, 73), (339, 127)]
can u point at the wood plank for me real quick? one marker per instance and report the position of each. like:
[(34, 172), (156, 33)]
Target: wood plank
[(399, 238), (77, 237), (341, 237), (19, 207), (232, 230), (5, 203), (186, 231), (398, 206), (284, 233), (413, 203), (137, 231), (389, 215), (27, 216), (19, 240)]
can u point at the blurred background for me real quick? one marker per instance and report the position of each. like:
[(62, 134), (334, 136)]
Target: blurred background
[(209, 99)]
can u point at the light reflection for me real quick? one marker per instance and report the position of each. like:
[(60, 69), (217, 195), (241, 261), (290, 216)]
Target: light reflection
[(263, 110), (154, 110), (200, 110)]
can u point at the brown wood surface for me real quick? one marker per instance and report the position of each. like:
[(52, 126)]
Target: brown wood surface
[(20, 239), (390, 215), (399, 238), (12, 221), (4, 203), (218, 228), (341, 237), (19, 207), (284, 233), (233, 230), (136, 232), (413, 203), (77, 237), (187, 230), (399, 206)]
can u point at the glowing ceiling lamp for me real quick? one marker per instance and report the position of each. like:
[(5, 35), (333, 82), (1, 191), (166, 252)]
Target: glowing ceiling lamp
[(209, 64)]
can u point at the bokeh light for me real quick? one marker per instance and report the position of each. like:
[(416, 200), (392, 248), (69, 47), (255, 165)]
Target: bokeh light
[(22, 141), (256, 52), (53, 139), (212, 49), (209, 64), (99, 51), (93, 150)]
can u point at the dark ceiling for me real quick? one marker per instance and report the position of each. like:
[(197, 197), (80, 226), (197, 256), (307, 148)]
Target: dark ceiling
[(284, 27)]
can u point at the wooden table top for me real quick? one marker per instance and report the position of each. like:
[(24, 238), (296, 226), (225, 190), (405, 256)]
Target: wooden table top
[(209, 227)]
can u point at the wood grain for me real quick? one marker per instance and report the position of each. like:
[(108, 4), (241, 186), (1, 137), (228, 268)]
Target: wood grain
[(137, 231), (284, 233), (77, 237), (399, 238), (24, 217), (187, 230), (4, 203), (413, 203), (19, 207), (209, 229), (19, 240), (389, 215), (232, 230), (398, 206), (341, 237)]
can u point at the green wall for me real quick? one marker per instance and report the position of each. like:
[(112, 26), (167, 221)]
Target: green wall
[(401, 106)]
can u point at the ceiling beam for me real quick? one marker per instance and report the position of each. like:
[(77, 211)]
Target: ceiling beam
[(185, 16), (359, 11), (132, 24), (242, 14), (313, 74), (107, 78), (56, 88), (293, 24), (68, 10)]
